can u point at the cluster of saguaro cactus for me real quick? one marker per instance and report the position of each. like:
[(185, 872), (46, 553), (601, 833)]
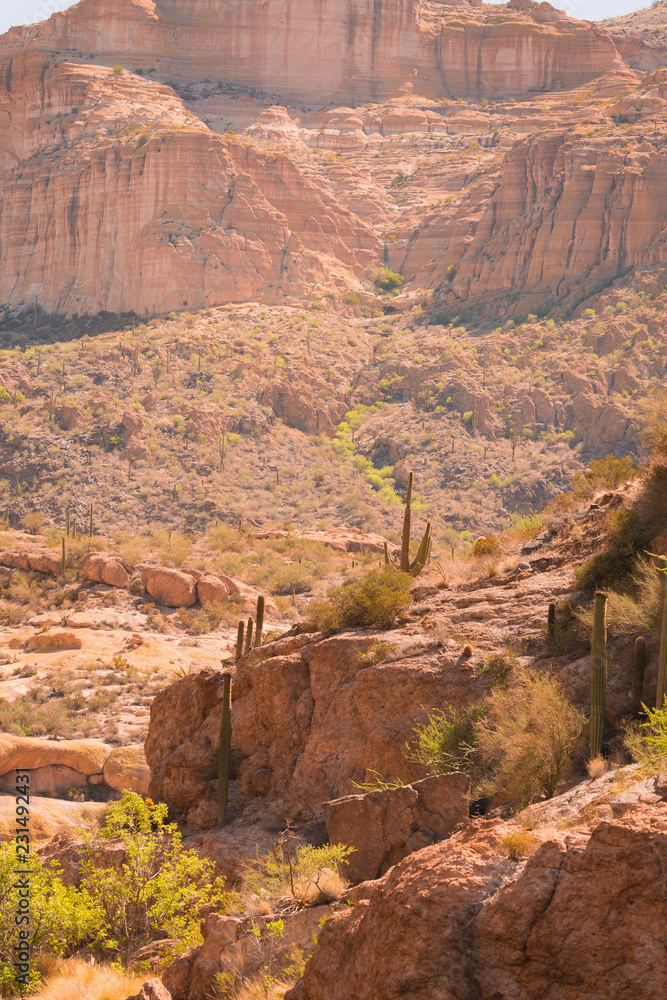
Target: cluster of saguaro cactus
[(244, 643), (415, 567), (598, 673)]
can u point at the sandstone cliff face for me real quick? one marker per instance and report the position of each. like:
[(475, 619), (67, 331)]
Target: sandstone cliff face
[(584, 917), (100, 214), (567, 215), (359, 50)]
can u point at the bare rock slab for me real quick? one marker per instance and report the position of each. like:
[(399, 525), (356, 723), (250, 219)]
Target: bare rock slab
[(385, 826)]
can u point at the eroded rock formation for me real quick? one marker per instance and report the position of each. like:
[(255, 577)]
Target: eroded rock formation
[(584, 916)]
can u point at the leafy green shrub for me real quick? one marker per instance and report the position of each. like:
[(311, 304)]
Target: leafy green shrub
[(647, 741), (448, 741), (308, 875), (638, 609), (160, 890), (33, 522), (526, 737), (498, 667), (60, 916), (374, 600), (292, 580), (386, 280), (614, 566)]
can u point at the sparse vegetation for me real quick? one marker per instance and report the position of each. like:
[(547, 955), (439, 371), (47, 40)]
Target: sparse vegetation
[(375, 600)]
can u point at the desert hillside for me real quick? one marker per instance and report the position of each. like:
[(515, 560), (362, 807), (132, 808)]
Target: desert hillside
[(333, 531)]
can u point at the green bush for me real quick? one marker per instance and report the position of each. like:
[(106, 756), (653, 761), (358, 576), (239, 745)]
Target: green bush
[(374, 600), (160, 890), (309, 875), (614, 566), (448, 741), (647, 742), (386, 280), (61, 916), (638, 609), (526, 737)]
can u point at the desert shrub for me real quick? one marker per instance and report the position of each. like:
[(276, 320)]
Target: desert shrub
[(33, 522), (292, 580), (386, 280), (646, 742), (601, 474), (376, 653), (75, 977), (448, 741), (117, 70), (60, 916), (516, 845), (202, 620), (638, 609), (564, 636), (498, 667), (526, 737), (26, 717), (374, 600), (308, 875), (487, 545), (160, 890), (613, 567)]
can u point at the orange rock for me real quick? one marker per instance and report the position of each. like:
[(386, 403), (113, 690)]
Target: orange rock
[(45, 564), (102, 568), (171, 587), (211, 590), (51, 642)]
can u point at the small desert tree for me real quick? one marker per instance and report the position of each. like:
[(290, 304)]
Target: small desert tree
[(526, 737), (160, 889)]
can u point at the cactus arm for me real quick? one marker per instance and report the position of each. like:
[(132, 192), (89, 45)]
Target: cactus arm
[(405, 538), (225, 748), (640, 667), (248, 637), (261, 603), (239, 642), (598, 673), (422, 555), (662, 660)]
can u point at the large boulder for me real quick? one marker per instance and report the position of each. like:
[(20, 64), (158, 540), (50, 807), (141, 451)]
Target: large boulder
[(42, 562), (171, 587), (126, 769), (48, 816), (52, 642), (384, 826), (211, 591), (102, 568), (585, 916), (27, 752)]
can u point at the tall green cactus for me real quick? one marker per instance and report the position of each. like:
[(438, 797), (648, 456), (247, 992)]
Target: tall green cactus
[(239, 641), (662, 659), (261, 603), (248, 637), (225, 748), (415, 567), (640, 667), (551, 619), (598, 673)]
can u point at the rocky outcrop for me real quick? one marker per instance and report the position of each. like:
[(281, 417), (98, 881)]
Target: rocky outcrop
[(584, 916), (384, 826), (152, 990), (309, 716), (85, 765), (231, 947), (51, 642), (109, 569), (170, 587)]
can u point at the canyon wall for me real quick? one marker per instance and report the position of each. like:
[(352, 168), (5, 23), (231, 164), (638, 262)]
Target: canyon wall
[(339, 50)]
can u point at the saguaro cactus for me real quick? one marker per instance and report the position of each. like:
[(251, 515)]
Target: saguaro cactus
[(239, 641), (598, 673), (415, 567), (248, 637), (261, 603), (662, 660), (225, 749), (551, 619), (640, 667), (62, 560)]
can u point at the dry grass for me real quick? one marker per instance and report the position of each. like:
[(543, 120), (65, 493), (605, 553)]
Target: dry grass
[(74, 979), (597, 766)]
